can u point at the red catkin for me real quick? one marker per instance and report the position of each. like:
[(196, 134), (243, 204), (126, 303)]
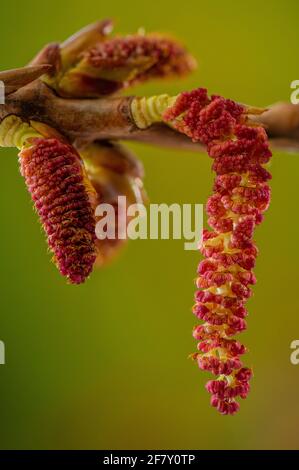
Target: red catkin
[(55, 178), (240, 197), (136, 58)]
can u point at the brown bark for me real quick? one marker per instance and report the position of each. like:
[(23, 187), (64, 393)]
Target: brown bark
[(86, 120)]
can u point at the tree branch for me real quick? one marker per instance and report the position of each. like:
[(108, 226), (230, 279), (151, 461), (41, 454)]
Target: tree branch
[(85, 120)]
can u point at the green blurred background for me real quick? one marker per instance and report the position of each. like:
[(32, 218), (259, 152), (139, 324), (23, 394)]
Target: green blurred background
[(104, 365)]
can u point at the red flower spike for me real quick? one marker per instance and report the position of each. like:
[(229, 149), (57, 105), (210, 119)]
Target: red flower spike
[(241, 196), (63, 198), (92, 63), (119, 62)]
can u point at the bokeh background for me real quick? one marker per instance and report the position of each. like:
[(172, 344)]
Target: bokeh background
[(104, 365)]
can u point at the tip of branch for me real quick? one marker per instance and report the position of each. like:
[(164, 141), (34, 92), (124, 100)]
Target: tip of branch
[(17, 78)]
